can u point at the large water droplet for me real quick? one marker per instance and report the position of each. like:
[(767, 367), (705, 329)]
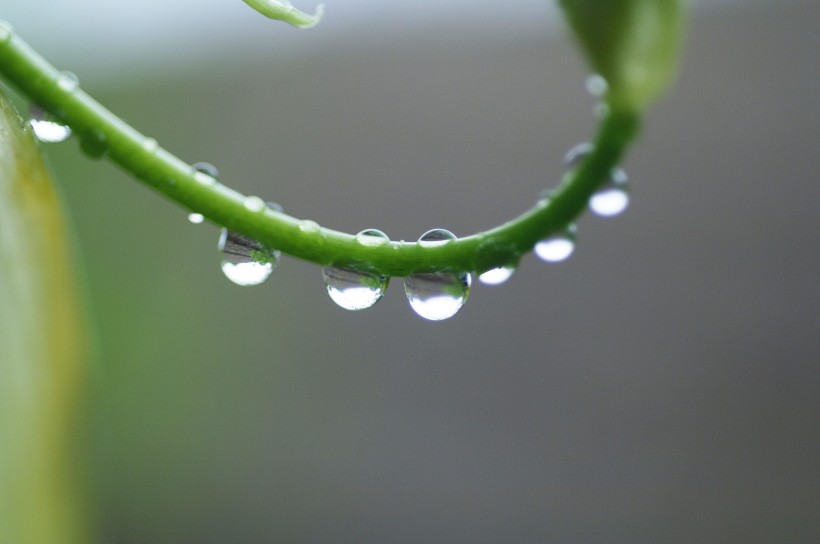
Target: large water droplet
[(497, 276), (613, 197), (46, 127), (353, 289), (94, 143), (246, 261), (437, 295), (558, 247), (372, 238)]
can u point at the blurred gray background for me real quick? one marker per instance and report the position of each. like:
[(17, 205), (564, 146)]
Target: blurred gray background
[(660, 386)]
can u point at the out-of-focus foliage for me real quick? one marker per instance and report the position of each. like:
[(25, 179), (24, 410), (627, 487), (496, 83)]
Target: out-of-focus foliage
[(42, 348)]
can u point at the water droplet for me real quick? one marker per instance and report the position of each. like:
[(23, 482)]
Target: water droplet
[(308, 226), (46, 127), (68, 81), (497, 276), (558, 247), (254, 204), (205, 173), (246, 261), (436, 237), (596, 85), (437, 295), (94, 143), (6, 32), (575, 155), (613, 197), (196, 218), (372, 237), (150, 145), (353, 289), (206, 168)]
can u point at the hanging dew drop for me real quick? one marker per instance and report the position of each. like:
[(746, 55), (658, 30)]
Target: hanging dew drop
[(558, 247), (497, 276), (437, 295), (196, 218), (47, 128), (246, 261), (352, 289), (372, 238), (613, 198)]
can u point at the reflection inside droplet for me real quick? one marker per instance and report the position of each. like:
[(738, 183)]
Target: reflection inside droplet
[(613, 197), (372, 237), (353, 289), (496, 276), (556, 248), (246, 261), (47, 128), (437, 295)]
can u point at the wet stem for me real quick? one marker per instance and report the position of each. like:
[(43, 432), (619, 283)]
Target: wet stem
[(101, 133)]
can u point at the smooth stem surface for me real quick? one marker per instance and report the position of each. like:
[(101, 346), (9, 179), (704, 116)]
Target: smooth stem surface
[(101, 132)]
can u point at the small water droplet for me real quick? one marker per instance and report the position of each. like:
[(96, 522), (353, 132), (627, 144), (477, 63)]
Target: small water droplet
[(6, 32), (309, 226), (558, 247), (575, 155), (94, 143), (150, 145), (353, 289), (436, 237), (206, 168), (246, 261), (372, 237), (596, 85), (437, 295), (497, 276), (68, 81), (196, 218), (46, 127), (613, 197), (254, 204)]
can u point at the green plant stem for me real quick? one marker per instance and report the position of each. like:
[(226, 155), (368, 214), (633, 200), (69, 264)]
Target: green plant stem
[(101, 131)]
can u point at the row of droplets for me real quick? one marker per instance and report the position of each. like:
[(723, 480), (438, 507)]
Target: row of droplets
[(432, 295)]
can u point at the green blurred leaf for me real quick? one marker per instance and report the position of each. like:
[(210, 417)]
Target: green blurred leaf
[(42, 352), (633, 44)]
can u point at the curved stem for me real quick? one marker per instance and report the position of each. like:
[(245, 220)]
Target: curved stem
[(101, 132)]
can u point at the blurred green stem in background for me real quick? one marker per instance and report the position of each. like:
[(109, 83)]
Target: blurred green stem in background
[(633, 43), (43, 350), (283, 10)]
